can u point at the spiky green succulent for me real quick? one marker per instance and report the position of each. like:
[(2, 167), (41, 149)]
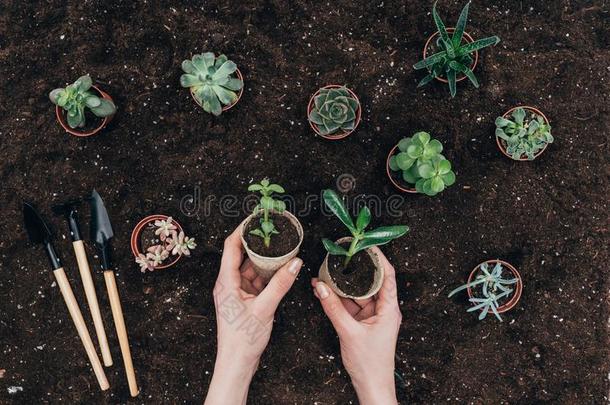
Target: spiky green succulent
[(212, 81), (76, 97), (334, 110), (421, 163), (524, 136), (454, 57)]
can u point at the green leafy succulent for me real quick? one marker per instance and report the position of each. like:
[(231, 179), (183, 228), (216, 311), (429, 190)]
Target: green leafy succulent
[(76, 97), (267, 205), (334, 110), (493, 287), (421, 163), (454, 57), (361, 239), (524, 136), (212, 81)]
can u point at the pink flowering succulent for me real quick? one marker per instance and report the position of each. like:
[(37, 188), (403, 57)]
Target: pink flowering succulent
[(172, 243)]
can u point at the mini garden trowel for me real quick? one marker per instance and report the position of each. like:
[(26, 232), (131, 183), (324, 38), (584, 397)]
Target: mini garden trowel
[(101, 233), (69, 210), (39, 232)]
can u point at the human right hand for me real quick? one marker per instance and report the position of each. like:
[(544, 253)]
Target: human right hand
[(368, 331)]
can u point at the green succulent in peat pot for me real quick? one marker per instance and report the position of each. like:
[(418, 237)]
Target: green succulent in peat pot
[(271, 235), (523, 133), (418, 162), (456, 53), (351, 267), (215, 83), (75, 99), (334, 112)]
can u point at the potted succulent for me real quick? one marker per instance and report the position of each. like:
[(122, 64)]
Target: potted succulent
[(449, 58), (270, 235), (416, 165), (334, 112), (158, 242), (493, 287), (523, 133), (351, 268), (82, 108), (215, 83)]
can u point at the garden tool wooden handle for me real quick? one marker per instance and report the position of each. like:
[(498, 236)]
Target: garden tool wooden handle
[(85, 274), (119, 323), (79, 322)]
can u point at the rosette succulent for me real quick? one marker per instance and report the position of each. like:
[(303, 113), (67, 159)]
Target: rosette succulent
[(77, 97), (454, 56), (334, 110), (212, 81), (421, 163), (170, 243), (524, 136)]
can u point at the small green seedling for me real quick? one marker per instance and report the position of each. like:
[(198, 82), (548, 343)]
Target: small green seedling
[(421, 163), (361, 239), (212, 81), (334, 110), (76, 97), (454, 57), (523, 136), (493, 287), (267, 205)]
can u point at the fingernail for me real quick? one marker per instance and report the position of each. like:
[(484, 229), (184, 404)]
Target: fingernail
[(322, 290), (294, 267)]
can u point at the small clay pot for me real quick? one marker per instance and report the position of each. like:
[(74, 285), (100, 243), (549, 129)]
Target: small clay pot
[(226, 107), (339, 135), (502, 144), (324, 274), (60, 114), (267, 266), (137, 231), (467, 38), (389, 173), (512, 302)]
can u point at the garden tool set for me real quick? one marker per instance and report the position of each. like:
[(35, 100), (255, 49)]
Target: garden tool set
[(101, 232)]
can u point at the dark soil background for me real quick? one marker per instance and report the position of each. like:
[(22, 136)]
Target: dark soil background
[(549, 218)]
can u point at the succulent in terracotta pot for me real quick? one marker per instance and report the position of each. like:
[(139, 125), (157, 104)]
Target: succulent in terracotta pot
[(493, 287), (523, 133), (271, 235), (215, 83), (351, 267)]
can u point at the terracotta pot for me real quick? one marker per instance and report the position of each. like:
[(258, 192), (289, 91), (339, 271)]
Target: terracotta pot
[(324, 275), (389, 173), (516, 292), (60, 114), (226, 107), (135, 237), (340, 135), (502, 144), (467, 38), (267, 266)]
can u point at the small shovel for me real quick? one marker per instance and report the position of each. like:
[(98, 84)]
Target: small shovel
[(69, 210), (39, 232), (101, 233)]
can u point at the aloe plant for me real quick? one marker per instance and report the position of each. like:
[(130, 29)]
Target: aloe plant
[(493, 287), (77, 97), (454, 56), (523, 136), (267, 204), (212, 81), (421, 163), (361, 239), (334, 110)]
